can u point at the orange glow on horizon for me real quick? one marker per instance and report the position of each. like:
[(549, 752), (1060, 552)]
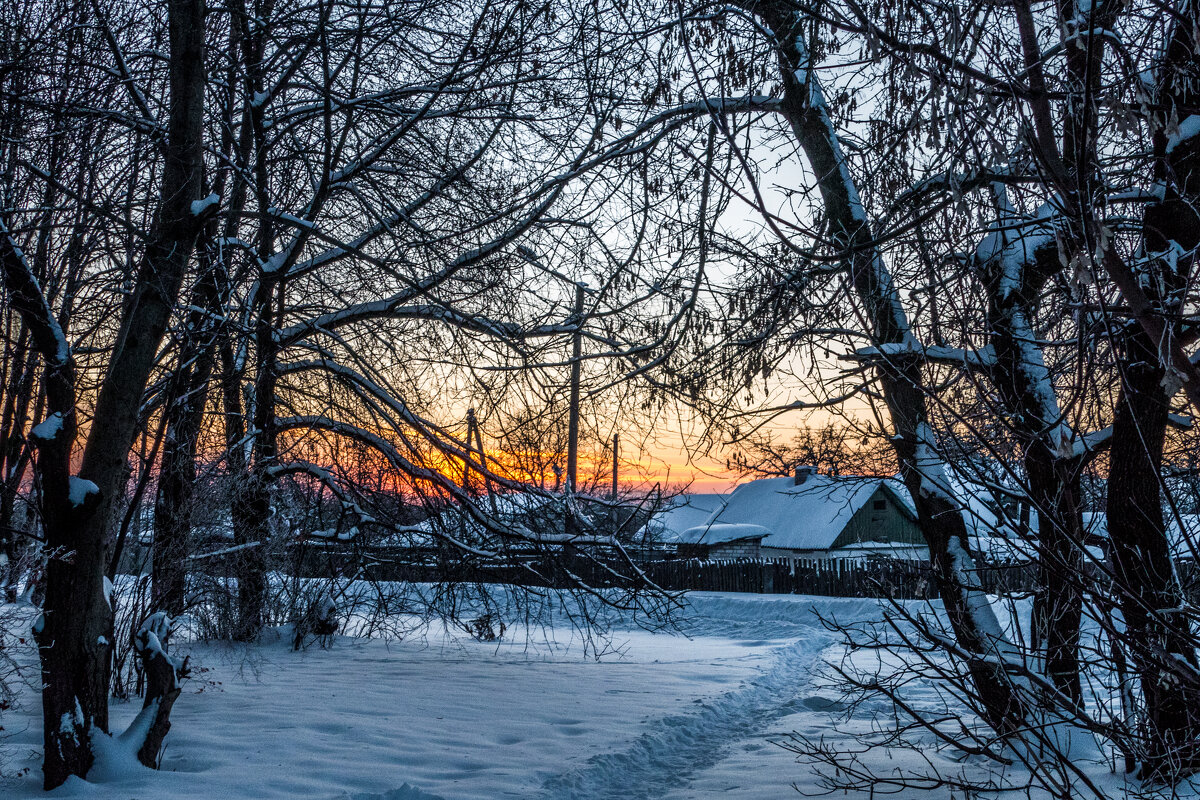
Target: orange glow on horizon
[(669, 472)]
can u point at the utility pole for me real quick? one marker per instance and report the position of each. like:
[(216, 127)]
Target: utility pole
[(616, 451), (466, 478), (573, 421), (616, 518), (487, 482)]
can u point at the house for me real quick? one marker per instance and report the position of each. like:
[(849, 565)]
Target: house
[(810, 516), (1183, 533)]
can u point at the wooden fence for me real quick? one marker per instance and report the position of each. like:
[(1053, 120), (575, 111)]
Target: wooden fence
[(832, 578)]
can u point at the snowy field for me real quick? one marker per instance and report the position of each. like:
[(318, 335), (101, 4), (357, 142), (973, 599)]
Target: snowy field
[(536, 716)]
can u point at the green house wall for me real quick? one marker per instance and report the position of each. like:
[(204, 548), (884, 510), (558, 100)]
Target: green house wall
[(889, 524)]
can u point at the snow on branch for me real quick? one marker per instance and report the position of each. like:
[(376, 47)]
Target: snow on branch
[(26, 296), (329, 481), (956, 356), (205, 205), (1188, 129), (224, 551), (1007, 254)]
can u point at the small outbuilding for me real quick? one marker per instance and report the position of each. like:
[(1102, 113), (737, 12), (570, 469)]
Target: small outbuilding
[(810, 516)]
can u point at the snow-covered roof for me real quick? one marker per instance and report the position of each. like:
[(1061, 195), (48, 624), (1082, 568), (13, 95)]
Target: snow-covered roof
[(535, 510), (721, 533), (810, 516), (683, 512)]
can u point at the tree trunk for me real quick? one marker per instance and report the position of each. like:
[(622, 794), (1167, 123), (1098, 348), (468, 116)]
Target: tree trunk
[(163, 675), (75, 629), (1058, 598), (188, 392), (1016, 274), (14, 458), (252, 501), (1160, 642), (251, 513), (970, 614), (1147, 587), (186, 399)]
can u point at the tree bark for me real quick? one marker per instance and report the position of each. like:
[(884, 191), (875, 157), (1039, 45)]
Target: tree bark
[(14, 457), (187, 396), (202, 338), (1016, 275), (252, 500)]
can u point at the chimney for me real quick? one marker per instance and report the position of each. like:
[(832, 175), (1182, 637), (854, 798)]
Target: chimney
[(803, 472)]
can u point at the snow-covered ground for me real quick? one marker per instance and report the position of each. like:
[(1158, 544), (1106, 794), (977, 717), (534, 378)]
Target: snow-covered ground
[(537, 715)]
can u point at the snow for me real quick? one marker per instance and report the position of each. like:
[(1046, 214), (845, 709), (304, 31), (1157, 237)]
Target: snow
[(80, 490), (334, 533), (1189, 128), (1182, 530), (224, 551), (930, 466), (983, 357), (200, 206), (979, 605), (533, 716), (536, 715), (723, 532), (66, 725), (291, 219), (48, 429), (116, 756), (47, 318), (275, 262)]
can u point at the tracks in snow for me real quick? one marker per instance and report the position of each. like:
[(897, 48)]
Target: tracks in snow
[(676, 747)]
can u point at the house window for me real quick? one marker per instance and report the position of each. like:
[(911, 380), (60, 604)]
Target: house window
[(880, 505)]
